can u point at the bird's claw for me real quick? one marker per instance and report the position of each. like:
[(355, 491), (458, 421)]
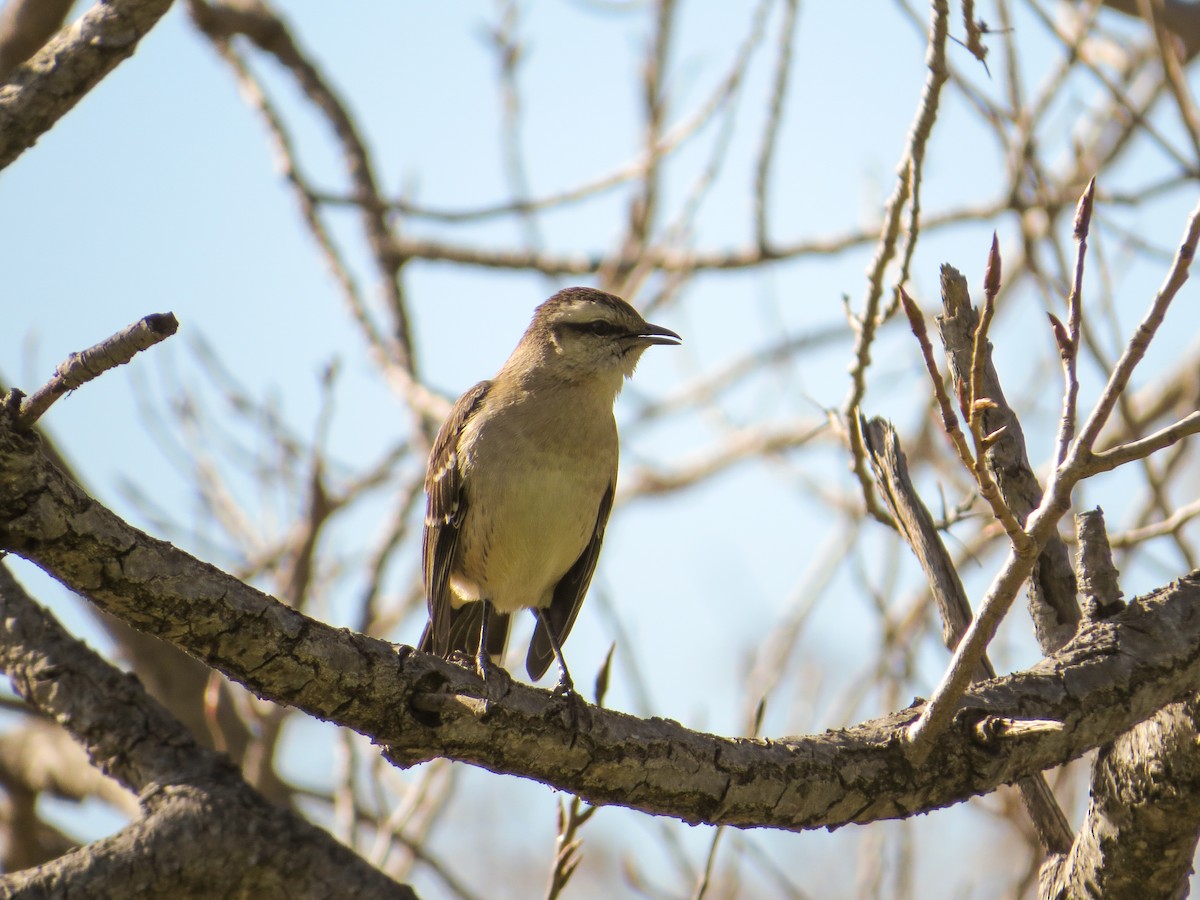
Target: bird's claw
[(569, 703)]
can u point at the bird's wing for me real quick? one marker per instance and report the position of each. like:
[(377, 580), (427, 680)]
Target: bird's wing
[(568, 596), (463, 632), (444, 511)]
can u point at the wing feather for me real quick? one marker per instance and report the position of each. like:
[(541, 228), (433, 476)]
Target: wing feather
[(445, 507), (568, 595)]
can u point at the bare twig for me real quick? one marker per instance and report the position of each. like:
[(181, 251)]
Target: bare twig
[(1044, 520), (974, 462), (1107, 460), (1168, 526), (49, 85), (917, 527), (975, 32), (906, 184), (1068, 338), (916, 321), (80, 368), (1168, 53), (991, 287), (1006, 461), (572, 816), (258, 22), (769, 142)]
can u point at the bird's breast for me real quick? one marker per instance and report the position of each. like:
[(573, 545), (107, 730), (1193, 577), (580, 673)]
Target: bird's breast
[(533, 491)]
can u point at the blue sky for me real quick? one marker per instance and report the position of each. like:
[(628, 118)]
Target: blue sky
[(159, 192)]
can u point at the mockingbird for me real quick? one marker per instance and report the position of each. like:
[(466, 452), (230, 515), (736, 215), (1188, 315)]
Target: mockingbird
[(521, 478)]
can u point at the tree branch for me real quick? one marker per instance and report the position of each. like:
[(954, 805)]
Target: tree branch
[(48, 86), (24, 26), (196, 805), (1052, 602), (80, 368), (1113, 675)]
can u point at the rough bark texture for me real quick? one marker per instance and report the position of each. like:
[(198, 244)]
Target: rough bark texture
[(1113, 675), (43, 90), (1127, 842), (1052, 600), (1145, 790), (24, 26), (38, 758), (1139, 836), (204, 831), (917, 526)]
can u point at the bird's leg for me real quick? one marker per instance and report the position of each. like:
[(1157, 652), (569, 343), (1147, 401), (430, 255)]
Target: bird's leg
[(483, 662), (565, 685)]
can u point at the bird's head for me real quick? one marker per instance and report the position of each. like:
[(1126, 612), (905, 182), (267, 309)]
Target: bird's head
[(586, 333)]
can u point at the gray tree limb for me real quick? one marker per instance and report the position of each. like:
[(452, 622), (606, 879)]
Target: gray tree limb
[(916, 525), (1114, 674), (42, 91), (1052, 588), (204, 832), (1139, 835), (24, 26)]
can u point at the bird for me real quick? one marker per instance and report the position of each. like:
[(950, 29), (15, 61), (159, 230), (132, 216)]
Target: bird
[(520, 483)]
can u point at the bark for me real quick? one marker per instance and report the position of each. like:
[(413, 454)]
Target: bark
[(39, 758), (24, 26), (204, 831), (1139, 836), (1130, 842), (917, 526), (1052, 588), (1115, 674), (48, 86)]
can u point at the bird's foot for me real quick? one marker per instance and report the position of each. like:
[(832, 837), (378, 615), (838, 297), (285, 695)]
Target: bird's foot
[(568, 702), (565, 686), (496, 681)]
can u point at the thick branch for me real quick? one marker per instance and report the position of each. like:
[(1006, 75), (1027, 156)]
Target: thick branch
[(24, 26), (916, 524), (1052, 600), (1139, 835), (1145, 786), (1113, 675), (205, 830), (43, 90)]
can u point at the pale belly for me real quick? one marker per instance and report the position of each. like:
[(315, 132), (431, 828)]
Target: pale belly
[(519, 539)]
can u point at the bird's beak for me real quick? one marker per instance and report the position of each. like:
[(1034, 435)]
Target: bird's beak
[(656, 334)]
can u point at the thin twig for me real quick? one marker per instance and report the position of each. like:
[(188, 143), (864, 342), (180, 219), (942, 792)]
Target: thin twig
[(916, 321), (573, 815), (260, 24), (974, 462), (991, 287), (1138, 119), (918, 529), (80, 368), (1107, 460), (1068, 341), (1168, 526), (1055, 503), (507, 44), (1173, 71), (767, 146), (869, 318)]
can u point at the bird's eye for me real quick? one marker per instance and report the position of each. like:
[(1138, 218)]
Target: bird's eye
[(602, 328)]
